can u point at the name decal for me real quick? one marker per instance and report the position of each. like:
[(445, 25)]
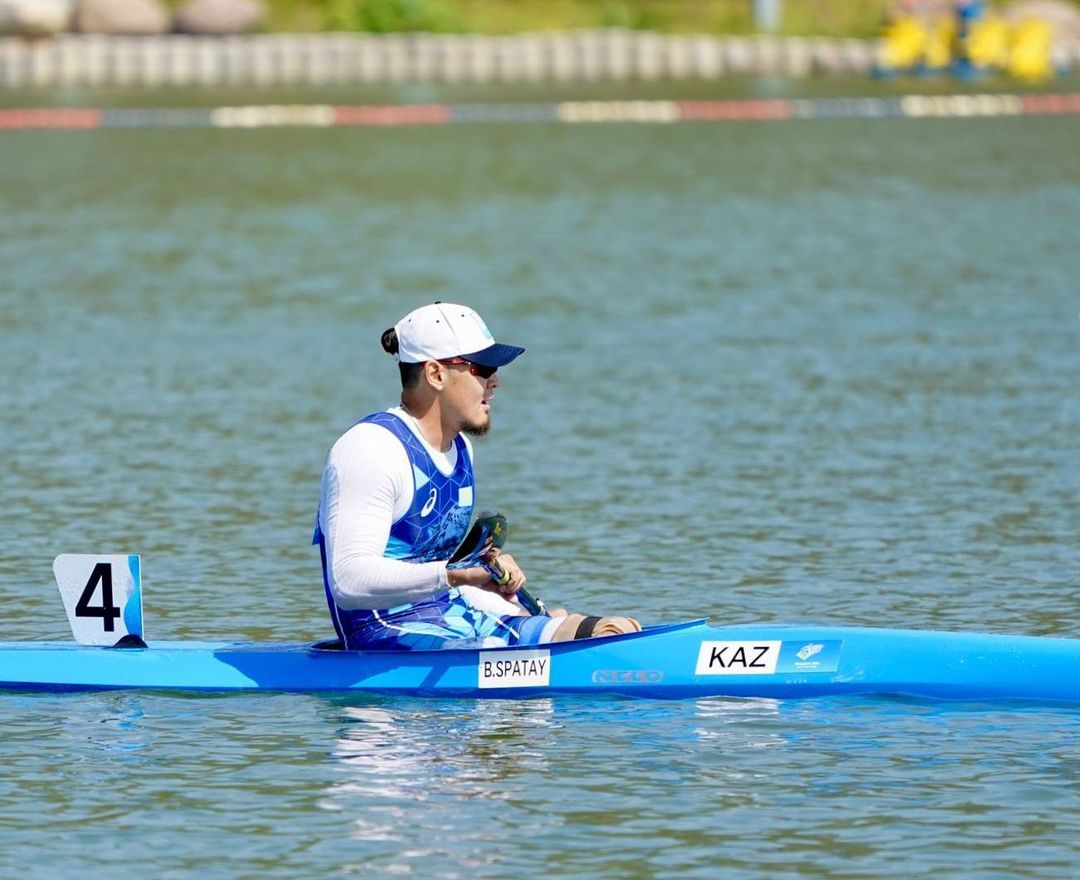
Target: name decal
[(510, 669)]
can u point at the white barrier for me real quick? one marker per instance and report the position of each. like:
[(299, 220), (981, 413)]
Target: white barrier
[(335, 59), (338, 59)]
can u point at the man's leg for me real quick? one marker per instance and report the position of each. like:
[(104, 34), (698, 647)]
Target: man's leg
[(522, 629), (580, 626)]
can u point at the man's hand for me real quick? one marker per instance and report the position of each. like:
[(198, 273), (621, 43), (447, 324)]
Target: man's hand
[(504, 562), (481, 577)]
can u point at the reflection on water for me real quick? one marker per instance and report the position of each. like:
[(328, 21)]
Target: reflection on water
[(597, 788), (396, 757), (684, 787)]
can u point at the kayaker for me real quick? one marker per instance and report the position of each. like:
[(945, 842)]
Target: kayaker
[(397, 498)]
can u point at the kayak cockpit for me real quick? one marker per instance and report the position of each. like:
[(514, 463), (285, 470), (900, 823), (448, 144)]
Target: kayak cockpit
[(336, 646)]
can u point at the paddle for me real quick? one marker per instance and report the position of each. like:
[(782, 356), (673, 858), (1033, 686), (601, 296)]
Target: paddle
[(489, 532)]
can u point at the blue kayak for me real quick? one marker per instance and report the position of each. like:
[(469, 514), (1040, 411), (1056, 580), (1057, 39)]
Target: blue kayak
[(682, 660)]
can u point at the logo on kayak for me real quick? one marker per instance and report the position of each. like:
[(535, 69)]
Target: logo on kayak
[(737, 658), (628, 676), (514, 669), (823, 656)]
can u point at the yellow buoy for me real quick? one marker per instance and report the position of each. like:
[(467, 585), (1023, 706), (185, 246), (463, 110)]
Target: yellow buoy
[(902, 44), (1029, 57)]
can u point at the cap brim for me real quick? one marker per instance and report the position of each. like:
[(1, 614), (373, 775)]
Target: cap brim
[(497, 355)]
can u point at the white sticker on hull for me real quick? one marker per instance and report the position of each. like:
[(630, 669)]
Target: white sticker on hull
[(514, 669), (737, 658)]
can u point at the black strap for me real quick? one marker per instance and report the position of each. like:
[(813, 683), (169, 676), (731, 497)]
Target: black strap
[(586, 627)]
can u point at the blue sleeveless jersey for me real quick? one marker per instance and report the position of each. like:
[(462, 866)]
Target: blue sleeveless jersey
[(442, 505), (431, 528)]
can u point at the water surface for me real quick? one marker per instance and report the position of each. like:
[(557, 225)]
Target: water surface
[(802, 371)]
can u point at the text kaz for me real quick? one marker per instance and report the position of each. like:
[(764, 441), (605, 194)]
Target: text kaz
[(737, 658)]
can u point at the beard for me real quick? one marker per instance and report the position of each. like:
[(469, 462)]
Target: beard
[(476, 429)]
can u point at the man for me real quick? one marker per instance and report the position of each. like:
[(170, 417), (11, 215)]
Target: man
[(397, 498)]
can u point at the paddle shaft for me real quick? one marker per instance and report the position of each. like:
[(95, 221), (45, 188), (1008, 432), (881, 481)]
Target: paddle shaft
[(490, 532), (526, 599)]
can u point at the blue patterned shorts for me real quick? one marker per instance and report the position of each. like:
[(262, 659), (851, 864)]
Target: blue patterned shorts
[(446, 620)]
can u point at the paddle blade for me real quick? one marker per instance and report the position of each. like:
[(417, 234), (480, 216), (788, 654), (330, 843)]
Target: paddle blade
[(489, 531), (102, 596)]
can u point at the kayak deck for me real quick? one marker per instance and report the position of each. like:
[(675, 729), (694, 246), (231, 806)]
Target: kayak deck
[(683, 660)]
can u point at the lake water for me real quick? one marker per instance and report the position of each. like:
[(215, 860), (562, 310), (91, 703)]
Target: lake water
[(803, 371)]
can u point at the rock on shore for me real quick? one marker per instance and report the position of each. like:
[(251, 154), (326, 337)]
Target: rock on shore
[(122, 17), (35, 18), (220, 16)]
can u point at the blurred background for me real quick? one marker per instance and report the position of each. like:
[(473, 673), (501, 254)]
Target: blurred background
[(332, 42), (797, 17), (799, 286)]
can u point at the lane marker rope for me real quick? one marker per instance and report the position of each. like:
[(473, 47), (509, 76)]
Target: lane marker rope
[(565, 112)]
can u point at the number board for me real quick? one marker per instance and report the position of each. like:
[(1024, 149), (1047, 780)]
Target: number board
[(102, 596)]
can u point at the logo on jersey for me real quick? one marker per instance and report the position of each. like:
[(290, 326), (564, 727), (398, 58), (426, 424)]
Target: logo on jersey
[(429, 505)]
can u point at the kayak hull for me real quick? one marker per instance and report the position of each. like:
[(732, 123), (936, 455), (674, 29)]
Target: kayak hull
[(686, 660)]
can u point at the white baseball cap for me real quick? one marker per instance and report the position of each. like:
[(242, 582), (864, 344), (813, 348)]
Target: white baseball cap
[(442, 331)]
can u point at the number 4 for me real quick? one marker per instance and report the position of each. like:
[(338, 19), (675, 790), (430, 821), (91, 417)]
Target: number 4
[(102, 574)]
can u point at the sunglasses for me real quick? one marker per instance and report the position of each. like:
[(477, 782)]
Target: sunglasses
[(479, 370)]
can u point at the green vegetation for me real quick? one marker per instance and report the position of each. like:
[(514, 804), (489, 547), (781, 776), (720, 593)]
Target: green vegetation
[(836, 18), (856, 18)]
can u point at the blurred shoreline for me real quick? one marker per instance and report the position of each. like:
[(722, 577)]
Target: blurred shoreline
[(336, 59)]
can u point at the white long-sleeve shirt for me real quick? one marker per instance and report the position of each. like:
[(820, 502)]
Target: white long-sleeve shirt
[(367, 486)]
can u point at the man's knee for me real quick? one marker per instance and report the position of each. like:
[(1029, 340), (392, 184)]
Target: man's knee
[(580, 626)]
